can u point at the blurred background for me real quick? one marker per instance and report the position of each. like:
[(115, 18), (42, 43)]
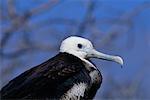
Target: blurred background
[(31, 32)]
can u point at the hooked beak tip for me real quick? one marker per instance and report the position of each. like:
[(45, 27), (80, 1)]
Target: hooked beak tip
[(119, 60)]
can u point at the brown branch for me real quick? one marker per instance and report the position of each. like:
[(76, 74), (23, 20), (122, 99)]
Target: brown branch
[(47, 22), (19, 22), (11, 9), (127, 18), (44, 7), (35, 47), (87, 19)]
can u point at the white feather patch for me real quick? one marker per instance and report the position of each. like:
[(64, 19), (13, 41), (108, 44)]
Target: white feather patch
[(76, 92), (94, 76)]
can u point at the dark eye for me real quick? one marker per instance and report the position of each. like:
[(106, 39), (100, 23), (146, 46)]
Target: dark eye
[(80, 46)]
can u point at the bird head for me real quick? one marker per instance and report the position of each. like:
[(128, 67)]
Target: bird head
[(84, 49)]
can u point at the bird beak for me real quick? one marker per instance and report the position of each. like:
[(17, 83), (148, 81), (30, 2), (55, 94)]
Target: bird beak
[(95, 54)]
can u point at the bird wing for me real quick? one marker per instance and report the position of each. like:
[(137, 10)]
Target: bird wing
[(44, 77)]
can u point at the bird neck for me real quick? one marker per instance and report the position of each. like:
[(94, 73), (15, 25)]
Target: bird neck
[(88, 65)]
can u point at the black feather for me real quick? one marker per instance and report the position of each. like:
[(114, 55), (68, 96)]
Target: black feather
[(49, 80)]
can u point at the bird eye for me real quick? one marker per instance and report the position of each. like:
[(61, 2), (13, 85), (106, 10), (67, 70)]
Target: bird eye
[(80, 46)]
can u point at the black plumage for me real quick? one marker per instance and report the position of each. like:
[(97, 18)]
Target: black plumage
[(51, 79)]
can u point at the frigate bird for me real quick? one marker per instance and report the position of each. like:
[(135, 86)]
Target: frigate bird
[(69, 75)]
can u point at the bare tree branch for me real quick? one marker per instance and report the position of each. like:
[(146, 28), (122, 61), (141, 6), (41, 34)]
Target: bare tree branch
[(44, 7), (125, 18), (87, 19)]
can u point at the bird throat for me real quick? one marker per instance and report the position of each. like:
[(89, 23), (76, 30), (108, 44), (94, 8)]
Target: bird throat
[(88, 65)]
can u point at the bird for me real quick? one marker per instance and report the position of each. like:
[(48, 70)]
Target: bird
[(70, 75)]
